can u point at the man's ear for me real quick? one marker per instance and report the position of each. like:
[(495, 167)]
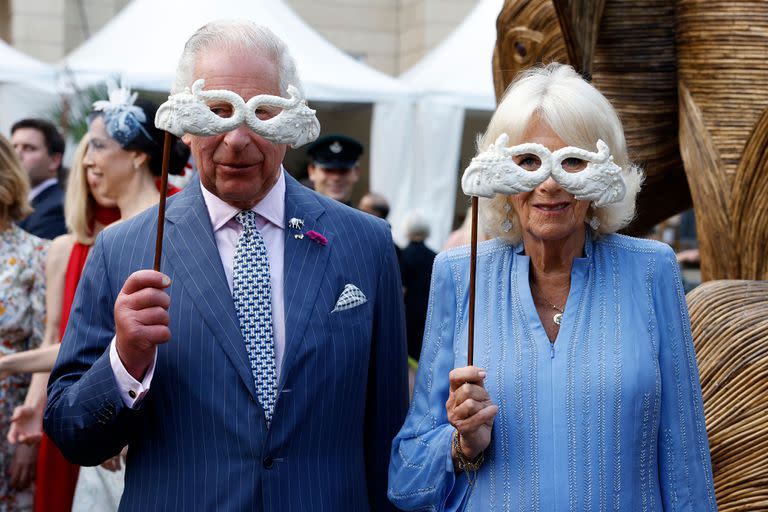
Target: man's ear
[(311, 169), (53, 168), (355, 174)]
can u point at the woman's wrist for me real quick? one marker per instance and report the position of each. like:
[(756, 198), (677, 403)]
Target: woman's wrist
[(464, 459)]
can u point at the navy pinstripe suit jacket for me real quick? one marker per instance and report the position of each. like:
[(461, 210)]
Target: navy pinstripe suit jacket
[(199, 439)]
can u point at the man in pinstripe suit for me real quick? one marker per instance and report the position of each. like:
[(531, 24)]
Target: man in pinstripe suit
[(159, 362)]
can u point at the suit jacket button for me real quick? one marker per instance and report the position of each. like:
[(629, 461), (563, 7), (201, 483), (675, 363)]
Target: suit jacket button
[(268, 463)]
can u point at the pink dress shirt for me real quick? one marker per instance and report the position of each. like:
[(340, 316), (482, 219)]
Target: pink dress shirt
[(226, 232)]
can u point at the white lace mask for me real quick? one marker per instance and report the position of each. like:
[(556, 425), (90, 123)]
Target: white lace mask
[(494, 171), (190, 112)]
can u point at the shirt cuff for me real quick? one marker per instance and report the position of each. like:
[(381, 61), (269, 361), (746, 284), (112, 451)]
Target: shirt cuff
[(131, 390)]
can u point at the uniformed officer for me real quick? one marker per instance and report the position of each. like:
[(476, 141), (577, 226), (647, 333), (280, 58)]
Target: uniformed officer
[(334, 166)]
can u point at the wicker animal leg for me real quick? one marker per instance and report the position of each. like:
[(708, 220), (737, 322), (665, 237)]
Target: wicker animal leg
[(724, 132), (729, 320)]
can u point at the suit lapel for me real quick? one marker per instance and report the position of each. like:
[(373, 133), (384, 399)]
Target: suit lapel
[(190, 250), (305, 262)]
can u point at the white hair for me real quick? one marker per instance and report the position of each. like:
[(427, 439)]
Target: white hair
[(415, 225), (237, 35), (580, 115)]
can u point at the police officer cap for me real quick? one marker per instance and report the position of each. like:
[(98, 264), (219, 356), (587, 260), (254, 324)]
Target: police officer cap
[(335, 151)]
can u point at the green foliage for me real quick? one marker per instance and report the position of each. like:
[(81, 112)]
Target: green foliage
[(72, 113)]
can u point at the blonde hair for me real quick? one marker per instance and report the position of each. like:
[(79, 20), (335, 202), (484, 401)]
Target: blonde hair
[(580, 115), (14, 185), (79, 204)]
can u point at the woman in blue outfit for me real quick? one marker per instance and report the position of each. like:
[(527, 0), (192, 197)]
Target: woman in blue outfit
[(585, 394)]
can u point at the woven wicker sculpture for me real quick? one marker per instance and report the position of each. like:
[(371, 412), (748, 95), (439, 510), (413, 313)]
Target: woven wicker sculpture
[(702, 97), (723, 72), (628, 48), (528, 33), (730, 319)]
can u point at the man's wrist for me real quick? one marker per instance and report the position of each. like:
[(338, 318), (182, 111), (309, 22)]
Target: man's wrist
[(135, 367)]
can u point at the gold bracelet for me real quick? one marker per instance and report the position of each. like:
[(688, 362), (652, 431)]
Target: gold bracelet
[(466, 465)]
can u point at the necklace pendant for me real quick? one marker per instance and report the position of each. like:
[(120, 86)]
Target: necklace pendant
[(558, 318)]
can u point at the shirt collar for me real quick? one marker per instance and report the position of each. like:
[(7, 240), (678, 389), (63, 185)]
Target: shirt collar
[(271, 207), (588, 244), (36, 191)]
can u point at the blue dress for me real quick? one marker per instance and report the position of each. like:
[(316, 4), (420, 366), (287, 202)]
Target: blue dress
[(609, 417)]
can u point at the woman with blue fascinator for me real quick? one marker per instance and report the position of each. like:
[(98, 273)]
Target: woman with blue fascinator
[(118, 165), (585, 394)]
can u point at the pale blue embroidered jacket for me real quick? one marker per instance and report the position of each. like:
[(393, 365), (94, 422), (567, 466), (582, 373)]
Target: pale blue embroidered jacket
[(609, 417)]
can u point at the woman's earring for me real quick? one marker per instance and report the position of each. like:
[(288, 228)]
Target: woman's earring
[(594, 222), (507, 224)]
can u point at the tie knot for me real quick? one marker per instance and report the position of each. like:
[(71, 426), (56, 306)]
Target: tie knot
[(247, 219)]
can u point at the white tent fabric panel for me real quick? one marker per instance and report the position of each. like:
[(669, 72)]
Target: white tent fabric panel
[(144, 41), (27, 87), (19, 101), (18, 67), (454, 77), (460, 67), (424, 176)]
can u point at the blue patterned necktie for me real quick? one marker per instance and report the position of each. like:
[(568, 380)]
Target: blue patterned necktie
[(252, 293)]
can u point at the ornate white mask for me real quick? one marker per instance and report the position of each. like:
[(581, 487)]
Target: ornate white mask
[(190, 112), (494, 171)]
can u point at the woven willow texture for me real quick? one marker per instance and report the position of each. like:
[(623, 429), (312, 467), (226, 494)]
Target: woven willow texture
[(528, 34), (723, 85), (729, 321)]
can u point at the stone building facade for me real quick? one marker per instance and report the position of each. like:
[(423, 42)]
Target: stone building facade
[(389, 35)]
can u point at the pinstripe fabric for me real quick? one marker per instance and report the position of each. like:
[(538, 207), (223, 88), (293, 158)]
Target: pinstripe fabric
[(199, 440)]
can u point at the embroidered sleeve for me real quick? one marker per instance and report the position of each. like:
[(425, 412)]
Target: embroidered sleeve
[(421, 475), (685, 471)]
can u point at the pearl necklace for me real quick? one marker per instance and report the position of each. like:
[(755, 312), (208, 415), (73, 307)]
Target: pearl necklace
[(558, 316)]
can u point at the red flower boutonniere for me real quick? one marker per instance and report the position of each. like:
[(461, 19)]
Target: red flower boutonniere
[(317, 237)]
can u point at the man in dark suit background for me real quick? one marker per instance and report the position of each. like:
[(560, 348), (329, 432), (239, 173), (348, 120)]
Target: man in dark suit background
[(265, 369), (40, 147), (416, 261)]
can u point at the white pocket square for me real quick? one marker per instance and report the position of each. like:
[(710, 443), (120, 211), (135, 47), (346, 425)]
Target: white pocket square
[(350, 298)]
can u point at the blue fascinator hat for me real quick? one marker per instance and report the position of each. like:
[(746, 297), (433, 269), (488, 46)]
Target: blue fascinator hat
[(122, 118), (130, 122)]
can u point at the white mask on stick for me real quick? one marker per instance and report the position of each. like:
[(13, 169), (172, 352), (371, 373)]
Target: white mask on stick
[(494, 171), (190, 112)]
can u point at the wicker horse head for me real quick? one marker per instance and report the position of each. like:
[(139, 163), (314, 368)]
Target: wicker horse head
[(629, 50)]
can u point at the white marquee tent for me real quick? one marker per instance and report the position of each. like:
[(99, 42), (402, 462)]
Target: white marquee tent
[(27, 87), (144, 41), (454, 77)]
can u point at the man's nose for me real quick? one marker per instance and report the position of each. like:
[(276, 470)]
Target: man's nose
[(238, 138)]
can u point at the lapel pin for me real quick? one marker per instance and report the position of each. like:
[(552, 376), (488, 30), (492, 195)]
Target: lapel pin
[(298, 236), (295, 223)]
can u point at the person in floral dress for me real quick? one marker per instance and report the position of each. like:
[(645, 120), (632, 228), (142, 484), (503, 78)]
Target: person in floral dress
[(22, 318)]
